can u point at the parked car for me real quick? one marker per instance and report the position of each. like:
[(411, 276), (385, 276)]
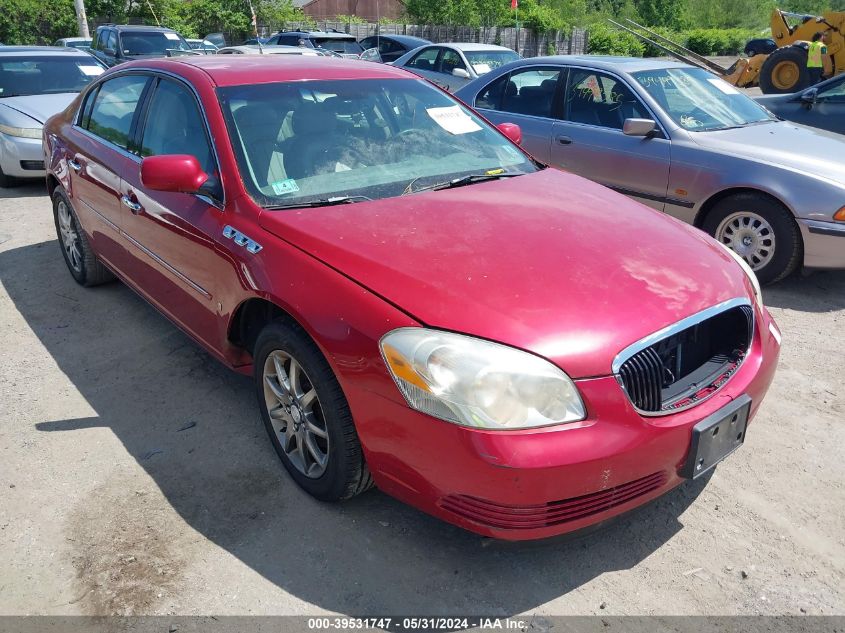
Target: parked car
[(36, 82), (392, 47), (204, 46), (343, 44), (267, 50), (451, 66), (762, 46), (822, 106), (684, 142), (114, 44), (74, 42), (463, 338), (253, 41)]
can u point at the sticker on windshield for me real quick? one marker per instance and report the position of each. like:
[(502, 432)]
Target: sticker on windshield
[(91, 71), (723, 85), (282, 187), (453, 120), (481, 69), (172, 36)]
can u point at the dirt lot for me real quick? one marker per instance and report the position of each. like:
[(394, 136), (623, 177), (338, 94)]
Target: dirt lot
[(135, 477)]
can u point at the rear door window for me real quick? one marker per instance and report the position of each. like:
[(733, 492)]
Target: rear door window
[(114, 108)]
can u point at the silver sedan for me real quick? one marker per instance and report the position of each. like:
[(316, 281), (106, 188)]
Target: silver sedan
[(685, 142), (451, 66)]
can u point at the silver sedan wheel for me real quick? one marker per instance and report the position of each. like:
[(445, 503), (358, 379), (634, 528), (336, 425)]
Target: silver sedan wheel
[(296, 414), (70, 238), (750, 236)]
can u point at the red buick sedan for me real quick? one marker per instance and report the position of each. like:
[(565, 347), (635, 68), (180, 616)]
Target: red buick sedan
[(423, 307)]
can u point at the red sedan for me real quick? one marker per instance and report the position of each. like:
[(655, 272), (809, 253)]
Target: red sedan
[(423, 307)]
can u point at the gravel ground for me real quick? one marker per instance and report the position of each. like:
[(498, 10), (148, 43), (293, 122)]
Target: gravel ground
[(136, 478)]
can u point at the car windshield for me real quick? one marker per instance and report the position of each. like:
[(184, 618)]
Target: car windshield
[(310, 141), (485, 61), (338, 45), (152, 43), (46, 75), (699, 101)]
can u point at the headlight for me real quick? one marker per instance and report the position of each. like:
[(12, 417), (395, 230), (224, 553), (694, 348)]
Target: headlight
[(758, 293), (22, 132), (477, 383)]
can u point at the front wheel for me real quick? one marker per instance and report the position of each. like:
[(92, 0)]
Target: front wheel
[(306, 415), (761, 231)]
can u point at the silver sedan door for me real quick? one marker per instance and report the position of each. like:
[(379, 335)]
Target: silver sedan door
[(526, 96), (589, 141)]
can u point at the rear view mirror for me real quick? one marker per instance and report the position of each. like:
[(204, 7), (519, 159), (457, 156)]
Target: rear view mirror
[(512, 131), (172, 172), (638, 127), (460, 72)]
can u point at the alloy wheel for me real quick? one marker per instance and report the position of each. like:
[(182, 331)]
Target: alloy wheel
[(750, 236), (70, 237), (295, 414)]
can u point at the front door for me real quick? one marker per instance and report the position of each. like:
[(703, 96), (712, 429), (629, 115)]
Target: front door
[(174, 238), (589, 140)]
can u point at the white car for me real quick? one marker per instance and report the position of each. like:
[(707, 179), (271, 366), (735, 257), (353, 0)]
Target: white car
[(36, 82), (450, 66), (254, 49)]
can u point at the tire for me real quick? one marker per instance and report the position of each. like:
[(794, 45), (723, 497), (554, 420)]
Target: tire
[(775, 249), (83, 265), (344, 473), (7, 181), (785, 71)]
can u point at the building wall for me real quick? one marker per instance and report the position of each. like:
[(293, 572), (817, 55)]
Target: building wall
[(370, 10)]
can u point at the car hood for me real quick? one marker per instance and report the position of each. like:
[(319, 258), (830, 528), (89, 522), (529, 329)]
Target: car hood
[(40, 107), (796, 147), (547, 262)]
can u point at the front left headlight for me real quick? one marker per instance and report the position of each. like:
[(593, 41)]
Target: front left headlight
[(476, 383), (21, 132), (755, 283)]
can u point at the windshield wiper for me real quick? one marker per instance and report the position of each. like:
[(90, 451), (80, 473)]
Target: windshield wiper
[(322, 202), (463, 180)]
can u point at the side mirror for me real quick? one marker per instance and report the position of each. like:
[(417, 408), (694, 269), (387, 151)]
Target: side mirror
[(638, 127), (109, 51), (172, 172), (809, 97), (460, 72), (371, 55), (512, 131)]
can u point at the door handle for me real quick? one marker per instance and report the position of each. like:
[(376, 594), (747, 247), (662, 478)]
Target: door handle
[(134, 207), (74, 165), (564, 140)]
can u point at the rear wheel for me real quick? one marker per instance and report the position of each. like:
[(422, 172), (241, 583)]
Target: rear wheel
[(79, 257), (761, 231), (785, 71), (306, 415)]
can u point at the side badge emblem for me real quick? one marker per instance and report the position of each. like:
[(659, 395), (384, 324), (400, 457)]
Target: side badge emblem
[(241, 240)]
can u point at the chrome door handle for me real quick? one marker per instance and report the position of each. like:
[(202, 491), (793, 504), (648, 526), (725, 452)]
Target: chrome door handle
[(564, 140), (134, 207), (74, 165)]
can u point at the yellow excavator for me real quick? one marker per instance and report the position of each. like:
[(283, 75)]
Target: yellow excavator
[(782, 71)]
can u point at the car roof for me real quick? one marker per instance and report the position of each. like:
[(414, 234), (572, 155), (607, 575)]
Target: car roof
[(603, 62), (257, 69), (402, 39), (474, 46), (74, 39), (42, 51), (137, 27), (329, 35), (270, 49)]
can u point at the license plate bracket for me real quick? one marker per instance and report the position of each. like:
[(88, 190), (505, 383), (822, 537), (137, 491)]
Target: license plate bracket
[(716, 436)]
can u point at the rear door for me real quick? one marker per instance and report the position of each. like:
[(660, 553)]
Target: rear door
[(528, 96), (97, 156), (589, 141), (173, 238)]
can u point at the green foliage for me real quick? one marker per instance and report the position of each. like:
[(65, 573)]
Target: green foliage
[(603, 39), (718, 41), (349, 19), (34, 22), (667, 13)]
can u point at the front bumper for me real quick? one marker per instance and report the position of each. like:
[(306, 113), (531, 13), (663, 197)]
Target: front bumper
[(544, 482), (824, 243), (21, 157)]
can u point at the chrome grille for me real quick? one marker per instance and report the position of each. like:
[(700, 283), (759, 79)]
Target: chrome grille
[(686, 363)]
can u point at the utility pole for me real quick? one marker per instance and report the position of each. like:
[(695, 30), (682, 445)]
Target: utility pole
[(81, 18)]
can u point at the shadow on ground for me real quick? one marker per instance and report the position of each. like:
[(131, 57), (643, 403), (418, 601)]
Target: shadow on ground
[(819, 291), (195, 429), (25, 189)]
